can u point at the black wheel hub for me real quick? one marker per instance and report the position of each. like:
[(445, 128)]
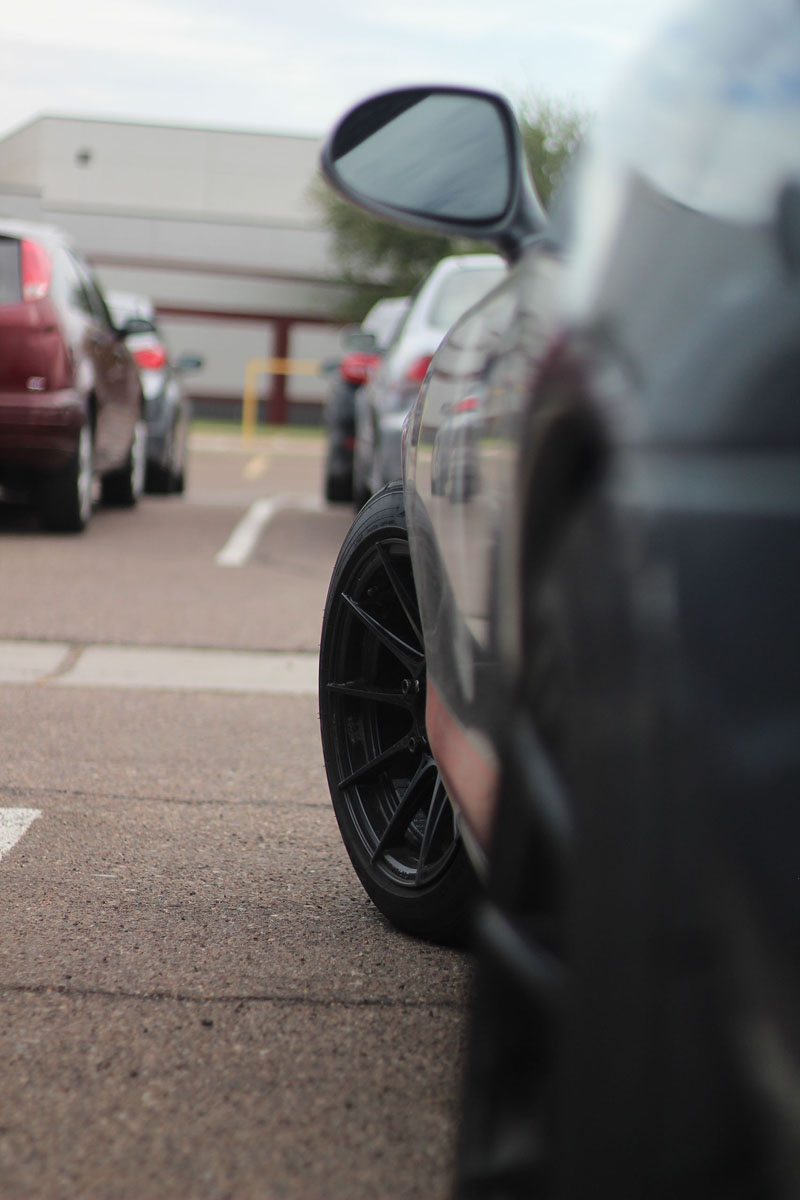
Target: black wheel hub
[(387, 775)]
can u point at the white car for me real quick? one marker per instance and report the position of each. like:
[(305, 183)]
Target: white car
[(455, 285)]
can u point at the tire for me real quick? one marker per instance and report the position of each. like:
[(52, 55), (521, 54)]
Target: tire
[(158, 480), (361, 489), (338, 489), (394, 815), (178, 472), (65, 496), (123, 487), (361, 495)]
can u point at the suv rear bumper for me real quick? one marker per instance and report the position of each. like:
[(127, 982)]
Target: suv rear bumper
[(40, 430)]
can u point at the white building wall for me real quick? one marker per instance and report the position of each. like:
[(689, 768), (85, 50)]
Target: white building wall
[(217, 228), (111, 165), (20, 155)]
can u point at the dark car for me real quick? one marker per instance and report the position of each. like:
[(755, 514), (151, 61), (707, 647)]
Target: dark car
[(363, 347), (167, 407), (582, 681), (71, 406)]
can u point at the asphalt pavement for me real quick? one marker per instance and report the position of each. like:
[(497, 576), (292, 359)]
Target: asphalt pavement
[(197, 998)]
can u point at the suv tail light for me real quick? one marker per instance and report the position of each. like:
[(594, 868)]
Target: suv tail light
[(419, 369), (150, 358), (468, 404), (356, 366), (35, 269)]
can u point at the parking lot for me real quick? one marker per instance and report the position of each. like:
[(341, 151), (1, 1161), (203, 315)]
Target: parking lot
[(198, 999)]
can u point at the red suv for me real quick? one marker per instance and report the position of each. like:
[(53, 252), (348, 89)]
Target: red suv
[(70, 397)]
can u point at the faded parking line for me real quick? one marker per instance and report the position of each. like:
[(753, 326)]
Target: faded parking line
[(159, 668)]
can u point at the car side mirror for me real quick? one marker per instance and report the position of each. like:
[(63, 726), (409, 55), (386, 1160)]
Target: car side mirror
[(447, 159), (189, 362), (133, 325)]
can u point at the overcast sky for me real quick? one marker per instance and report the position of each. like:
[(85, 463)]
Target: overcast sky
[(294, 66)]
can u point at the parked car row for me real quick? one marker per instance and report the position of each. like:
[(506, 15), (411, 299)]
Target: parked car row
[(561, 657), (86, 396), (167, 407), (363, 346), (379, 378)]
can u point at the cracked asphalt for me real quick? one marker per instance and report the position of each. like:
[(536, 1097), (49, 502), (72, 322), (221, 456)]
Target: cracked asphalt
[(197, 998)]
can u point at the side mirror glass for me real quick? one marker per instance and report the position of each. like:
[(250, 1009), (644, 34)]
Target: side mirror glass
[(134, 325), (436, 152)]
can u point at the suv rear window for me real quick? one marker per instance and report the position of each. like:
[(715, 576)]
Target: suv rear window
[(460, 291), (10, 285)]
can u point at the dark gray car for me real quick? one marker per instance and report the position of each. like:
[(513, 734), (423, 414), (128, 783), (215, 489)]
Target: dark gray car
[(582, 678), (167, 407)]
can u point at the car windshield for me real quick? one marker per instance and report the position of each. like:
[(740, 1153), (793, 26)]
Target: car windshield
[(460, 291)]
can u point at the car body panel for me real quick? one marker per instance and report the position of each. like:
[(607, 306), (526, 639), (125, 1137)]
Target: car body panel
[(490, 357)]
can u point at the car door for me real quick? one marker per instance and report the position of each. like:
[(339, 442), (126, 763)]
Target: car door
[(462, 454), (114, 374)]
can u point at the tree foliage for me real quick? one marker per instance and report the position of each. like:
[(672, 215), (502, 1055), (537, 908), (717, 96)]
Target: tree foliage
[(551, 133), (379, 258)]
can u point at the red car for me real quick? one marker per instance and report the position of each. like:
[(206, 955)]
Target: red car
[(71, 403)]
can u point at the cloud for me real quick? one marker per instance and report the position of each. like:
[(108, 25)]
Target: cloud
[(247, 65)]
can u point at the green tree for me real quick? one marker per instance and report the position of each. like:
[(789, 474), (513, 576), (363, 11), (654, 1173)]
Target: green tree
[(378, 258), (551, 133)]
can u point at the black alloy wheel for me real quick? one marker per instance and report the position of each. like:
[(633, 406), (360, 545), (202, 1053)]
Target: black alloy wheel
[(389, 799)]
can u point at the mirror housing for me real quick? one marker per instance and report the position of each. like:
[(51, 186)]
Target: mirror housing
[(189, 362), (445, 159), (133, 325)]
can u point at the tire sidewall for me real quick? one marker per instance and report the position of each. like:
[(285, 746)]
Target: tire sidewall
[(439, 910)]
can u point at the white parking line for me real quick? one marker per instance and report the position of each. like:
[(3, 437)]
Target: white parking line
[(25, 662), (255, 467), (241, 543), (13, 823)]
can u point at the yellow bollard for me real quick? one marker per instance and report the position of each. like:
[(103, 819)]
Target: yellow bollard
[(267, 366)]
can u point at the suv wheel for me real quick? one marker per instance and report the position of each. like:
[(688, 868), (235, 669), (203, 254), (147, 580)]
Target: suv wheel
[(124, 486), (65, 496)]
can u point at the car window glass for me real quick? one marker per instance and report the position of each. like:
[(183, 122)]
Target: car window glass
[(398, 333), (97, 305), (10, 286), (460, 291), (67, 284)]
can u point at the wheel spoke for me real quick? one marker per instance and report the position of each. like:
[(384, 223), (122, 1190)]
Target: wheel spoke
[(411, 802), (374, 764), (398, 587), (410, 657), (439, 810), (369, 691)]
